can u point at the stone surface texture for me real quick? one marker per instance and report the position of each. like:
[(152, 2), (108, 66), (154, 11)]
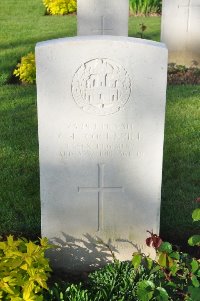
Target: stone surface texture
[(101, 129), (181, 31), (102, 17)]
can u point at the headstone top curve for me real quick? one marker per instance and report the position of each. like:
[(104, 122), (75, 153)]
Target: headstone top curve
[(101, 38)]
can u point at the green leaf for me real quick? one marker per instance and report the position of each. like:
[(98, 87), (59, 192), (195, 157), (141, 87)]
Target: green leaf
[(145, 290), (194, 265), (171, 284), (10, 240), (194, 240), (161, 294), (194, 293), (28, 288), (195, 281), (2, 245), (175, 255), (149, 262), (155, 269), (196, 215), (137, 259), (16, 299), (162, 260), (165, 247), (170, 262), (31, 247)]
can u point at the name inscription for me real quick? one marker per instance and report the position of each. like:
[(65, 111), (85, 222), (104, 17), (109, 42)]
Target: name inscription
[(100, 140)]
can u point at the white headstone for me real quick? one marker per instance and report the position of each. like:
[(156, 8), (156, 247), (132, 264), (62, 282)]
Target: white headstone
[(103, 17), (181, 30), (101, 117)]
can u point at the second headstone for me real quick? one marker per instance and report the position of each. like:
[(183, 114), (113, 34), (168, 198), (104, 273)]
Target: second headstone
[(102, 17)]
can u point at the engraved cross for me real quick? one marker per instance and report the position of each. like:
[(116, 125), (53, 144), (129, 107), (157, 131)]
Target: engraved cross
[(100, 7), (101, 189), (189, 6), (102, 30)]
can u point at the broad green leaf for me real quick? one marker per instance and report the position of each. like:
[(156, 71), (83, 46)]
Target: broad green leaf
[(194, 240), (161, 294), (195, 281), (155, 269), (145, 290), (194, 265), (175, 255), (149, 263), (194, 293), (196, 215), (165, 247), (137, 259), (162, 260), (172, 284), (170, 261)]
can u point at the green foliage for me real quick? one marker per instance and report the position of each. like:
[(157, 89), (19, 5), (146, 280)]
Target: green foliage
[(24, 269), (114, 282), (26, 70), (195, 239), (196, 215), (174, 276), (60, 7), (145, 7), (66, 292)]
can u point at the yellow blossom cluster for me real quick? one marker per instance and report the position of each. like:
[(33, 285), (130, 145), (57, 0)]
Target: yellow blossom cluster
[(26, 69), (60, 7)]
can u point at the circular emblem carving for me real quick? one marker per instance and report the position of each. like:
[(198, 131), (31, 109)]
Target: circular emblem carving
[(101, 87)]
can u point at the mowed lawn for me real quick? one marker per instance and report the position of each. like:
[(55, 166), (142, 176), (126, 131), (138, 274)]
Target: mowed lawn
[(22, 24)]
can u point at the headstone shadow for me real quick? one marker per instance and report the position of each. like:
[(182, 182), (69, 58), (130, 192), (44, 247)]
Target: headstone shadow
[(78, 252)]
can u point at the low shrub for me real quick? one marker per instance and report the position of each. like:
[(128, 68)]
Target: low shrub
[(173, 276), (24, 269), (66, 292), (60, 7), (26, 69), (179, 74)]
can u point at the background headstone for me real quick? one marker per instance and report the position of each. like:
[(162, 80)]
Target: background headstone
[(103, 17), (101, 128), (181, 30)]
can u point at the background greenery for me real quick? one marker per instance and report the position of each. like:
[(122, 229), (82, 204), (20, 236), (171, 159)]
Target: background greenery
[(145, 7), (23, 23)]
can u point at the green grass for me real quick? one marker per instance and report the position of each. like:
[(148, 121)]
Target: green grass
[(19, 177), (152, 24), (181, 168), (23, 24)]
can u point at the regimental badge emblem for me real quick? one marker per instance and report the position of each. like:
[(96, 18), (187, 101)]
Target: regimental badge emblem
[(101, 87)]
